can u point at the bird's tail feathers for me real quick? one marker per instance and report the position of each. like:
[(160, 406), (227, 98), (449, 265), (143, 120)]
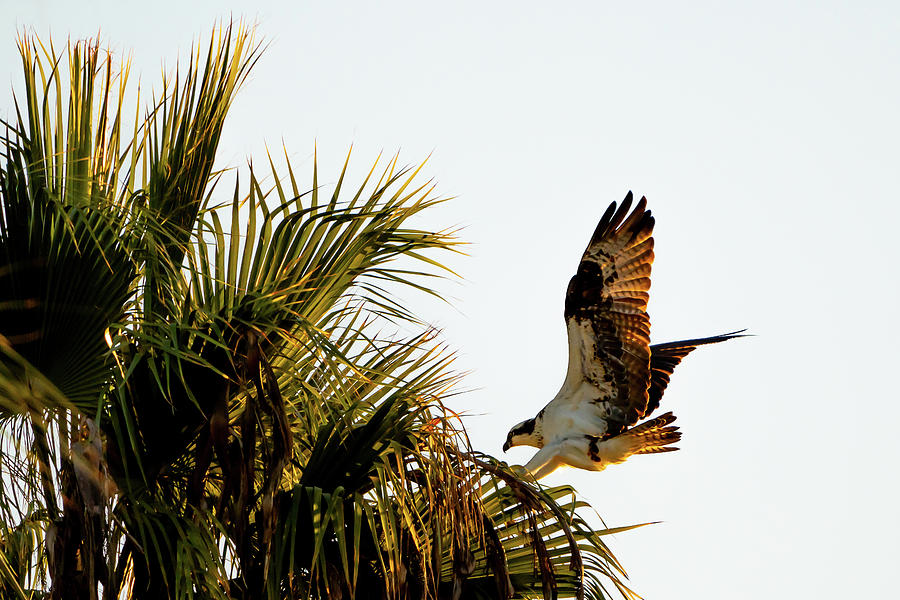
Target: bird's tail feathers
[(655, 435)]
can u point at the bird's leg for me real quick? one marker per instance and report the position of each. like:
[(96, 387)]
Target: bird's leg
[(544, 462)]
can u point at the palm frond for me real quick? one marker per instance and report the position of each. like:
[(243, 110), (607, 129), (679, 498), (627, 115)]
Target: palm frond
[(183, 136), (67, 275), (547, 548)]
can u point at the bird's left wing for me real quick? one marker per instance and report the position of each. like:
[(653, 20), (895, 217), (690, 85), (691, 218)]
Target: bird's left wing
[(607, 322), (665, 357)]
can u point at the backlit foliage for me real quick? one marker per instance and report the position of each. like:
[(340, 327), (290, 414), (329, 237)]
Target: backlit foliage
[(199, 396)]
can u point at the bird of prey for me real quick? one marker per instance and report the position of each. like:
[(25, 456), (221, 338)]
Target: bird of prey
[(615, 377)]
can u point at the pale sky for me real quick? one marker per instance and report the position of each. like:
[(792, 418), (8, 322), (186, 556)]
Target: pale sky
[(765, 137)]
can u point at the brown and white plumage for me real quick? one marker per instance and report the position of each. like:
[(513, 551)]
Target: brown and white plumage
[(615, 377)]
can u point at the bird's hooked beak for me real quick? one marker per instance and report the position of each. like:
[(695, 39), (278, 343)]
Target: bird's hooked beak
[(506, 445)]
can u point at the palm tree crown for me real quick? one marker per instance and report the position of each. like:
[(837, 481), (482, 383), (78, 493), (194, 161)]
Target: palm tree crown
[(197, 396)]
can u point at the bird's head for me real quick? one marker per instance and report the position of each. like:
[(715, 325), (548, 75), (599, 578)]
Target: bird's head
[(523, 434)]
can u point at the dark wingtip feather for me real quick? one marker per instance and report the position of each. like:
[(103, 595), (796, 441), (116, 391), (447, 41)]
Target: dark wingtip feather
[(715, 339), (603, 225), (612, 218), (621, 213), (646, 224), (665, 357)]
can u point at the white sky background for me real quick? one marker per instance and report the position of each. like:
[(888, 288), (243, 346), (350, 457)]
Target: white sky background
[(765, 136)]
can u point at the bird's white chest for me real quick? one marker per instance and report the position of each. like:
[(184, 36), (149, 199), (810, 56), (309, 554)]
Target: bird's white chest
[(575, 415)]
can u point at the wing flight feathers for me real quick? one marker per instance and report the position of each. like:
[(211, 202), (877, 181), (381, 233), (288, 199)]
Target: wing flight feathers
[(665, 357), (605, 310)]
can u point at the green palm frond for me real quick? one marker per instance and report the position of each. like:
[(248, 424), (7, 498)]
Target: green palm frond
[(539, 531), (169, 554), (66, 273), (74, 140), (183, 134), (19, 545)]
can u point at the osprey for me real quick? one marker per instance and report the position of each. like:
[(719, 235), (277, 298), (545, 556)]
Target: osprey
[(615, 377)]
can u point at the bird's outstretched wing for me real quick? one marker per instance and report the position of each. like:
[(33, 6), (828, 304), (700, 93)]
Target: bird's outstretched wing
[(608, 327), (665, 357)]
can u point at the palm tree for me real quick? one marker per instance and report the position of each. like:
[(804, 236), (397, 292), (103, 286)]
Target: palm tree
[(198, 398)]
